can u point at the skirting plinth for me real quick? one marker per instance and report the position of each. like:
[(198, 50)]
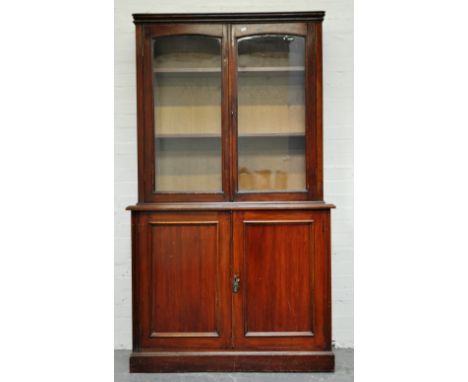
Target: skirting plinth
[(232, 361)]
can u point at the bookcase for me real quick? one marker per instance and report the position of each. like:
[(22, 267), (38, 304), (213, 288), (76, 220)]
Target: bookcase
[(231, 237)]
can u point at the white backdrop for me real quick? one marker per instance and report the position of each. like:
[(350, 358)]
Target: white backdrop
[(338, 145)]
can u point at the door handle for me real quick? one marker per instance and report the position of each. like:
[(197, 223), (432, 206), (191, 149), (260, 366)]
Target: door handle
[(235, 284)]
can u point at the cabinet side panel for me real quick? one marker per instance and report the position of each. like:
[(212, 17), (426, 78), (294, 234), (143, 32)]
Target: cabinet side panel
[(135, 283), (139, 42), (323, 279), (314, 114)]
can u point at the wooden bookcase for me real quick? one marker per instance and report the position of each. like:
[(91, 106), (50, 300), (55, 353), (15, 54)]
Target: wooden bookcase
[(231, 244)]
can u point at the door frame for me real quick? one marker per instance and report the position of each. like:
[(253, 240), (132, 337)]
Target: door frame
[(320, 338), (312, 32), (142, 250), (146, 146)]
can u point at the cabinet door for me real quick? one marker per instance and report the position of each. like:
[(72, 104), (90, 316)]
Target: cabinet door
[(185, 94), (282, 265), (182, 297), (276, 122)]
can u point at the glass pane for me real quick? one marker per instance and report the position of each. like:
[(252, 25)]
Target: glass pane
[(271, 113), (187, 113)]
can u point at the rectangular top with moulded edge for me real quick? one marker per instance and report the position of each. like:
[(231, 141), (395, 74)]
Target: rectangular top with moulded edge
[(230, 206)]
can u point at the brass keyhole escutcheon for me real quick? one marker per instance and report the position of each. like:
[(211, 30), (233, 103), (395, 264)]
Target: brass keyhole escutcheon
[(235, 283)]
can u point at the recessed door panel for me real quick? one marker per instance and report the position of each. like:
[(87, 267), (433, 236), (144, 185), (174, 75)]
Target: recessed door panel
[(278, 271), (183, 288)]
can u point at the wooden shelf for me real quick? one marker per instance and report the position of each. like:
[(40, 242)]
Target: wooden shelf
[(187, 136), (272, 135), (274, 69), (211, 136), (187, 70), (245, 69)]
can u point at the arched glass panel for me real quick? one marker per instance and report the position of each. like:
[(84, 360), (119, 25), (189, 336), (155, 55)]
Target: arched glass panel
[(271, 113)]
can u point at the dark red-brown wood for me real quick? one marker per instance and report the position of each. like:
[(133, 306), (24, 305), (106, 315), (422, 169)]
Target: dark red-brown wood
[(186, 248), (234, 17), (232, 206), (314, 134), (283, 261), (281, 361), (183, 301), (182, 294)]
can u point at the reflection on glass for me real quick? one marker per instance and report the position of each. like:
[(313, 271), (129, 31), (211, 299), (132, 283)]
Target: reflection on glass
[(271, 113), (187, 112)]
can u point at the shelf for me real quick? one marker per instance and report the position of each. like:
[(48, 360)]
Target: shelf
[(187, 136), (275, 69), (245, 69), (211, 136), (187, 70), (272, 135)]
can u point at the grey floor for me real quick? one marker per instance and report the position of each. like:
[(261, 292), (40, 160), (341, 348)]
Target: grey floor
[(344, 372)]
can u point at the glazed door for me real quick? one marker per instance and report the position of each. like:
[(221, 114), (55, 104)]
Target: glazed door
[(274, 118), (182, 286), (281, 280), (185, 141), (230, 116)]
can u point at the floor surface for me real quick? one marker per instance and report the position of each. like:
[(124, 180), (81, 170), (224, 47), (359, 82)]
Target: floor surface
[(344, 372)]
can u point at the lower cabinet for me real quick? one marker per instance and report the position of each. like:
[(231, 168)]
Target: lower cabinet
[(231, 291)]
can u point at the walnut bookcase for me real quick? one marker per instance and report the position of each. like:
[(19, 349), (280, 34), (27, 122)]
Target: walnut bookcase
[(231, 265)]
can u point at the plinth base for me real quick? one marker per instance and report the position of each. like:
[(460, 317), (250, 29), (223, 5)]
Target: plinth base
[(232, 361)]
